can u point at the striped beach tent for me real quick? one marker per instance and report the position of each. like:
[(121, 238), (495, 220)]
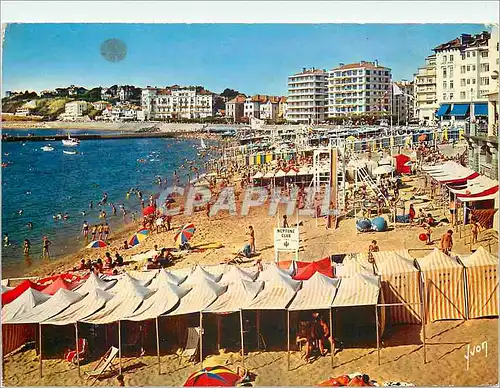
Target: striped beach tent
[(359, 290), (400, 284), (353, 265), (444, 288), (482, 283)]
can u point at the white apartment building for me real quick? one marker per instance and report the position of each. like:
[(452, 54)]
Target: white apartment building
[(307, 96), (463, 76), (269, 110), (425, 98), (75, 109), (251, 106), (174, 103), (358, 88), (402, 102)]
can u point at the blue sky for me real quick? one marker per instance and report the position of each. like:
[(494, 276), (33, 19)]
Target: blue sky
[(252, 58)]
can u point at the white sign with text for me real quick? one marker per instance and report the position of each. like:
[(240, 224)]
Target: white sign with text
[(286, 239)]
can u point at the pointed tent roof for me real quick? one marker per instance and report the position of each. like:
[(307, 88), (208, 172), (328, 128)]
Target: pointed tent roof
[(129, 294), (58, 284), (481, 257), (359, 290), (93, 301), (280, 174), (28, 300), (59, 302), (278, 292), (316, 293), (239, 293), (258, 175), (437, 260), (351, 267), (95, 282), (203, 294), (201, 273), (306, 270), (235, 273), (272, 271), (11, 295), (143, 277), (394, 263), (165, 276), (166, 297)]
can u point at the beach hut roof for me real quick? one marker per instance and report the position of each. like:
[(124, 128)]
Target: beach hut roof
[(11, 295), (303, 170), (57, 284), (165, 276), (93, 301), (165, 299), (437, 260), (481, 257), (201, 273), (60, 301), (391, 262), (277, 294), (204, 293), (292, 172), (352, 266), (95, 282), (235, 274), (269, 174), (272, 271), (359, 290), (280, 174), (307, 270), (258, 175), (239, 293), (29, 299), (128, 296), (316, 293), (143, 278)]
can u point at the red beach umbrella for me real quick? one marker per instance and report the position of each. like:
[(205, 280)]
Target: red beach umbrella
[(148, 210), (217, 376)]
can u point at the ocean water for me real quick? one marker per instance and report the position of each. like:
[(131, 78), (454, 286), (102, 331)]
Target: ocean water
[(46, 183)]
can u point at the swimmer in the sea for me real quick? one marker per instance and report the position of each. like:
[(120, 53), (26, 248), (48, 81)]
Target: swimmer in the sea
[(20, 212), (29, 225)]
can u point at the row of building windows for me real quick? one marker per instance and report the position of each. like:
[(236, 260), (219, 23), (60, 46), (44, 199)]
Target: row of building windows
[(358, 72)]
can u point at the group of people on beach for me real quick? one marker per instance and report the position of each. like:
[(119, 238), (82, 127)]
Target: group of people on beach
[(315, 335), (98, 266), (96, 232)]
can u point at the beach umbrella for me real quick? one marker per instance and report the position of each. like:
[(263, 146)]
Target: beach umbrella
[(138, 237), (185, 233), (422, 137), (148, 210), (217, 376), (97, 244)]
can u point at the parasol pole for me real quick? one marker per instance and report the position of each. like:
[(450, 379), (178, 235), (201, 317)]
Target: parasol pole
[(40, 346), (378, 335), (201, 339), (77, 350), (158, 345), (258, 329), (332, 343), (218, 330), (242, 339), (288, 336), (120, 345)]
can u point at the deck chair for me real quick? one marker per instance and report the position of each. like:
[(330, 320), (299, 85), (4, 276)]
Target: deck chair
[(104, 363), (70, 355), (192, 344)]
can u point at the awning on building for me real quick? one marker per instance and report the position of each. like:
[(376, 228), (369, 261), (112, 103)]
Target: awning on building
[(443, 110), (460, 109), (481, 109)]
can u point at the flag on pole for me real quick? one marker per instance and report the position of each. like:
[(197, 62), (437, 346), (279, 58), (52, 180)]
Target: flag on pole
[(396, 90)]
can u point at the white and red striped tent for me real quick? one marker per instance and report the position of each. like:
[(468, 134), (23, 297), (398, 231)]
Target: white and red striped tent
[(482, 283), (400, 284), (444, 288)]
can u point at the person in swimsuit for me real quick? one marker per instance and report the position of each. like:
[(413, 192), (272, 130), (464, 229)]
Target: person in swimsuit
[(446, 243), (45, 247), (251, 239), (26, 247), (99, 232), (85, 230), (105, 230), (93, 232)]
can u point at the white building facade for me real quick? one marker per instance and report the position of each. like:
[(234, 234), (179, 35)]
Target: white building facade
[(307, 96), (403, 102), (463, 77), (359, 88), (75, 109), (187, 103), (424, 83)]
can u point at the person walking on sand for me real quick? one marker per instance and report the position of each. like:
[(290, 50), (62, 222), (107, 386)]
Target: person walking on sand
[(45, 247), (251, 239), (446, 243), (94, 232), (285, 221), (105, 230)]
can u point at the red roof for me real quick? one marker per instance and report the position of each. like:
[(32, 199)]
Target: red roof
[(59, 283), (13, 294), (305, 270)]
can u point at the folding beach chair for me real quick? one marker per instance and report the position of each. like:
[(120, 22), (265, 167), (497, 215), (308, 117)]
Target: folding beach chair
[(104, 363), (192, 344), (70, 356)]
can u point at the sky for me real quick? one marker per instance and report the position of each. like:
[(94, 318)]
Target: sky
[(251, 58)]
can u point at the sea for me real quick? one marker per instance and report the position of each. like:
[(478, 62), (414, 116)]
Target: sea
[(36, 185)]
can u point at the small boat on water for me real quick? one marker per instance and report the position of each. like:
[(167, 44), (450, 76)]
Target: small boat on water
[(50, 138), (70, 141), (47, 148), (70, 152)]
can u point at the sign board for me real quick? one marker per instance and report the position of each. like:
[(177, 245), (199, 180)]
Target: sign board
[(286, 239)]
